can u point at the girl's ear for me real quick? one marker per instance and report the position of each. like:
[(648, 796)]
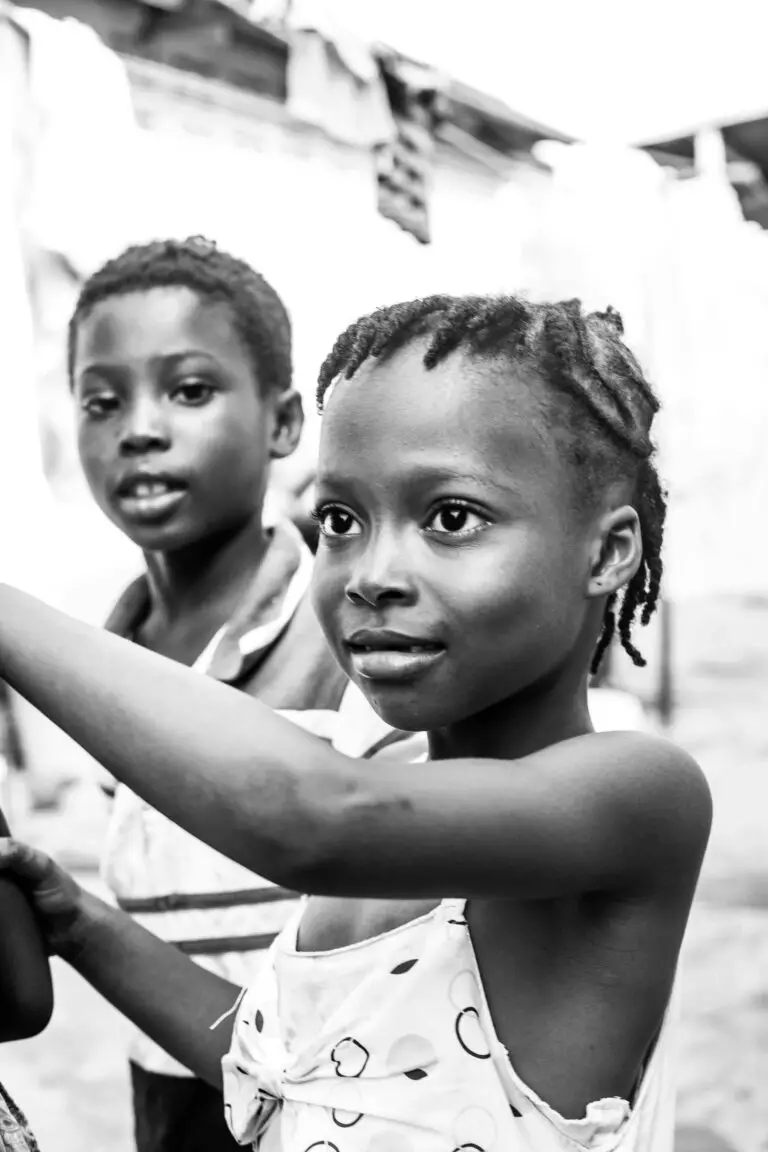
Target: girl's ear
[(618, 550)]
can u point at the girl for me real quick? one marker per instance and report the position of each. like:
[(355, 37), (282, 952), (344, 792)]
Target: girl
[(488, 958)]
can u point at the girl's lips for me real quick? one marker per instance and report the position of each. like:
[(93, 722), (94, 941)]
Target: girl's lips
[(394, 663)]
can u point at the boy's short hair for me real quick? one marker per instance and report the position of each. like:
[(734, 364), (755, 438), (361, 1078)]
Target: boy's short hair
[(258, 312)]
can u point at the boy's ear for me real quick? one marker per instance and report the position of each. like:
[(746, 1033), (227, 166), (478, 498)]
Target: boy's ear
[(618, 550), (288, 423)]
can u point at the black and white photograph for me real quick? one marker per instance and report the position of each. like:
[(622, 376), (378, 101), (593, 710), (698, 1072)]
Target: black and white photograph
[(384, 576)]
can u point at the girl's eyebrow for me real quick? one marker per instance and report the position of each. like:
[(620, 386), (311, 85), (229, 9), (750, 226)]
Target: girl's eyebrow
[(425, 475)]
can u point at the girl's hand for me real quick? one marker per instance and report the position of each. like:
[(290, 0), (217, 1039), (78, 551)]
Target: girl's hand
[(57, 898)]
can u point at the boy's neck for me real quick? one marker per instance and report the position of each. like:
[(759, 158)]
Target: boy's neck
[(208, 579)]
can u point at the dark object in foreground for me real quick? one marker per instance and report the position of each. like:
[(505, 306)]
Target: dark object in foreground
[(26, 991), (175, 1112)]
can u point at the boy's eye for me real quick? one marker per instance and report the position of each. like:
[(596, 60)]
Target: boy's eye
[(193, 392), (99, 406), (455, 520), (333, 520)]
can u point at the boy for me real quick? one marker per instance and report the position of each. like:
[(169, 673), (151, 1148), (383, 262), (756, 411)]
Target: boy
[(180, 365)]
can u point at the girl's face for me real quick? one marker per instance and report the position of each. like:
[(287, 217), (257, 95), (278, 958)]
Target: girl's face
[(452, 571), (175, 432)]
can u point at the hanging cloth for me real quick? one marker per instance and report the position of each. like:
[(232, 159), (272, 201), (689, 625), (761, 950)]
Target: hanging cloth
[(404, 167)]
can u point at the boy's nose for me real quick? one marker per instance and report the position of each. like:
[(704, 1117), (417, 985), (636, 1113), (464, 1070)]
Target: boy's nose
[(144, 431), (136, 443)]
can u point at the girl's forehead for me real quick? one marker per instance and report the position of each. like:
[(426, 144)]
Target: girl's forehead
[(400, 413), (459, 383)]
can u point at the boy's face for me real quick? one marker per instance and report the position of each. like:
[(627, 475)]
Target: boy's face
[(174, 431)]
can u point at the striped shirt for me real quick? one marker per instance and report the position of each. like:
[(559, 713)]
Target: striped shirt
[(214, 910)]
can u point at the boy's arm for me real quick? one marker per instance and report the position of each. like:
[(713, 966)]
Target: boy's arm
[(168, 996)]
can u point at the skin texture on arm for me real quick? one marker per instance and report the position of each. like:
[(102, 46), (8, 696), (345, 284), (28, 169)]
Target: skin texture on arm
[(591, 813)]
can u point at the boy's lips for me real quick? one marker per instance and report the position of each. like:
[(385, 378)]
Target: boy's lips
[(147, 497), (381, 654)]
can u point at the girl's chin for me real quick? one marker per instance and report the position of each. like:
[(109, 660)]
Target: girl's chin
[(407, 711)]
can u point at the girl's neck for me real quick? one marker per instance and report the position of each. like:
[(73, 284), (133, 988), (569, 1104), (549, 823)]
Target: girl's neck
[(210, 576), (519, 725)]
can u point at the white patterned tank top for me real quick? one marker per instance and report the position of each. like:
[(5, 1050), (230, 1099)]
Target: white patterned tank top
[(388, 1046)]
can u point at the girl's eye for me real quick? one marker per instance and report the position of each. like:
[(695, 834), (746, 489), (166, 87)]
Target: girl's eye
[(100, 406), (455, 520), (334, 520), (193, 392)]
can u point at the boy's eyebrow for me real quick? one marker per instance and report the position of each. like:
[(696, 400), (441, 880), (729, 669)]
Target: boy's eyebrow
[(175, 358), (172, 359)]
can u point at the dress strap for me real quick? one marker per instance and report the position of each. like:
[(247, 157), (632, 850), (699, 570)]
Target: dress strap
[(453, 910)]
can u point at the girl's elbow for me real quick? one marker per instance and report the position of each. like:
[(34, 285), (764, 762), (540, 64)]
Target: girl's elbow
[(311, 856)]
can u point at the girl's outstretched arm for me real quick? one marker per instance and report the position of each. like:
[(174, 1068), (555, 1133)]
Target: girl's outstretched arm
[(616, 811), (214, 761)]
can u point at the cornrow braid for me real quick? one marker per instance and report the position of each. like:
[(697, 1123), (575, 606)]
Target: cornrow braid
[(606, 633), (258, 313), (586, 362)]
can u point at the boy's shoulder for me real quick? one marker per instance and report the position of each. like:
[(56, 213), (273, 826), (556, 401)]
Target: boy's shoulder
[(273, 649), (294, 667), (130, 608)]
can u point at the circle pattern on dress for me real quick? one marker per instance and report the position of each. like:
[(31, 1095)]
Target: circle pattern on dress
[(470, 1035), (344, 1119), (350, 1058)]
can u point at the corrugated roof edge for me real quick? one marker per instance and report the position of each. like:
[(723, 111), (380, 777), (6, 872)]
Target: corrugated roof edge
[(489, 108), (494, 109)]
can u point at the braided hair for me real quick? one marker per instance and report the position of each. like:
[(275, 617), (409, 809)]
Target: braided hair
[(601, 404), (258, 314)]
